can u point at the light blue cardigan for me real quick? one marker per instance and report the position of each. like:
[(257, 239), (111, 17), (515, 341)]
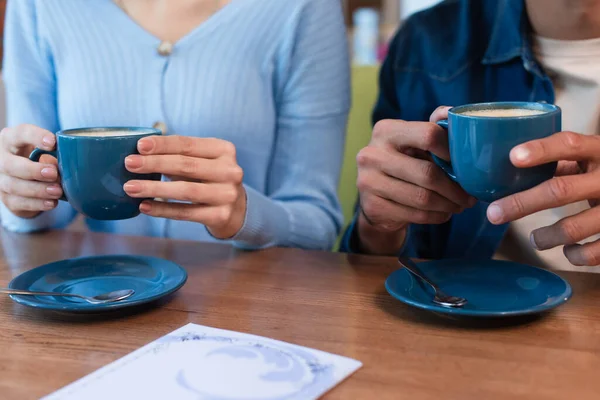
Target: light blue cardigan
[(271, 76)]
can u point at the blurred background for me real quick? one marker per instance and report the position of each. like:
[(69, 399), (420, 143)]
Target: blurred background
[(371, 24)]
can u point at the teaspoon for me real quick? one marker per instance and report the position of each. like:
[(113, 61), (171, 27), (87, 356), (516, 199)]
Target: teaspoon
[(103, 298), (440, 297)]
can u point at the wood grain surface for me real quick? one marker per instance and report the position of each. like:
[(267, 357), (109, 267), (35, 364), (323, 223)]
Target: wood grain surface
[(328, 301)]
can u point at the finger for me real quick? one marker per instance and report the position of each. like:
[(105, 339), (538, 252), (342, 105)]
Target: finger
[(404, 193), (207, 215), (27, 135), (567, 168), (402, 135), (184, 166), (388, 215), (23, 168), (422, 173), (553, 193), (569, 230), (587, 254), (23, 188), (426, 174), (210, 148), (19, 203), (48, 159), (560, 146), (193, 192), (439, 114)]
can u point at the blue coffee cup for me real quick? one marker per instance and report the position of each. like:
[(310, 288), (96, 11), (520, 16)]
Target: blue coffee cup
[(480, 138), (91, 163)]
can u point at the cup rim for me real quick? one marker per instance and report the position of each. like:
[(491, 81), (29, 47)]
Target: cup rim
[(550, 109), (136, 131)]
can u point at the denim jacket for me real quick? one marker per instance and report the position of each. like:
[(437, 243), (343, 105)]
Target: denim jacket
[(458, 52)]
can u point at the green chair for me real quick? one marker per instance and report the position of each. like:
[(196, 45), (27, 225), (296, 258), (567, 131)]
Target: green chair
[(364, 95)]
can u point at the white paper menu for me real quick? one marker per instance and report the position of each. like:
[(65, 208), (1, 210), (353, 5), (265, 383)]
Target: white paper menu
[(201, 363)]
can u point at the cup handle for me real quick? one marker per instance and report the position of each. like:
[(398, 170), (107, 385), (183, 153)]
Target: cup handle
[(36, 154), (443, 164)]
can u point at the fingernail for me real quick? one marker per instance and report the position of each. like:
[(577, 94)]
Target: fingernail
[(575, 255), (145, 207), (145, 145), (532, 241), (48, 204), (495, 213), (54, 190), (131, 187), (49, 141), (521, 153), (49, 173), (133, 161)]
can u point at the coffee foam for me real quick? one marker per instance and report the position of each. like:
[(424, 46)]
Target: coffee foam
[(107, 133), (503, 112)]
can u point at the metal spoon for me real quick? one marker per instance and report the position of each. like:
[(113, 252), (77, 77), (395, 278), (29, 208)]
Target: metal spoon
[(103, 298), (440, 297)]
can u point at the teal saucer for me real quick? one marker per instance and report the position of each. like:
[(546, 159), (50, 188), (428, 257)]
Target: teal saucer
[(151, 278), (493, 288)]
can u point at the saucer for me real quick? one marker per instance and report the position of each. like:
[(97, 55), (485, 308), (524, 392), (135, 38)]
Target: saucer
[(151, 278), (493, 288)]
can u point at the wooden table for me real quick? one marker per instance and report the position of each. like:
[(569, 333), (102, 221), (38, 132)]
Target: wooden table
[(333, 302)]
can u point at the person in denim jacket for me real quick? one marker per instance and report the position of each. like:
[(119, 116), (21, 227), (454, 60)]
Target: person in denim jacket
[(471, 51)]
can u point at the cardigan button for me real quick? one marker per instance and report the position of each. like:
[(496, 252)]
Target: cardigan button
[(165, 48), (161, 126)]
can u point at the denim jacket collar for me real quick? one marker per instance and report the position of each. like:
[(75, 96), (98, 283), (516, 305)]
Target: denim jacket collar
[(511, 37)]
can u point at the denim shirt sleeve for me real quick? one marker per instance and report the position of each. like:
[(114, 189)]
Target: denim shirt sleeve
[(350, 240)]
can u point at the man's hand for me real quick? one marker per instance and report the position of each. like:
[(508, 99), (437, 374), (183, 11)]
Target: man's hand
[(578, 178), (399, 184)]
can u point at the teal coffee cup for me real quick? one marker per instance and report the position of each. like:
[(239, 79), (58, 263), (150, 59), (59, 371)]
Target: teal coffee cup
[(91, 163), (480, 138)]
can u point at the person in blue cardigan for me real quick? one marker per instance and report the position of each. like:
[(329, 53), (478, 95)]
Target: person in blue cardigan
[(252, 96), (471, 51)]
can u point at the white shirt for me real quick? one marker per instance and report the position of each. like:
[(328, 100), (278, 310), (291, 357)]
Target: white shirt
[(574, 68)]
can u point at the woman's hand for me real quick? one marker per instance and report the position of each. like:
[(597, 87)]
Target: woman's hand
[(578, 179), (203, 172), (27, 188)]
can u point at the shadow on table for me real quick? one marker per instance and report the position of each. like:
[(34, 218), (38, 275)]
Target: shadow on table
[(408, 313)]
